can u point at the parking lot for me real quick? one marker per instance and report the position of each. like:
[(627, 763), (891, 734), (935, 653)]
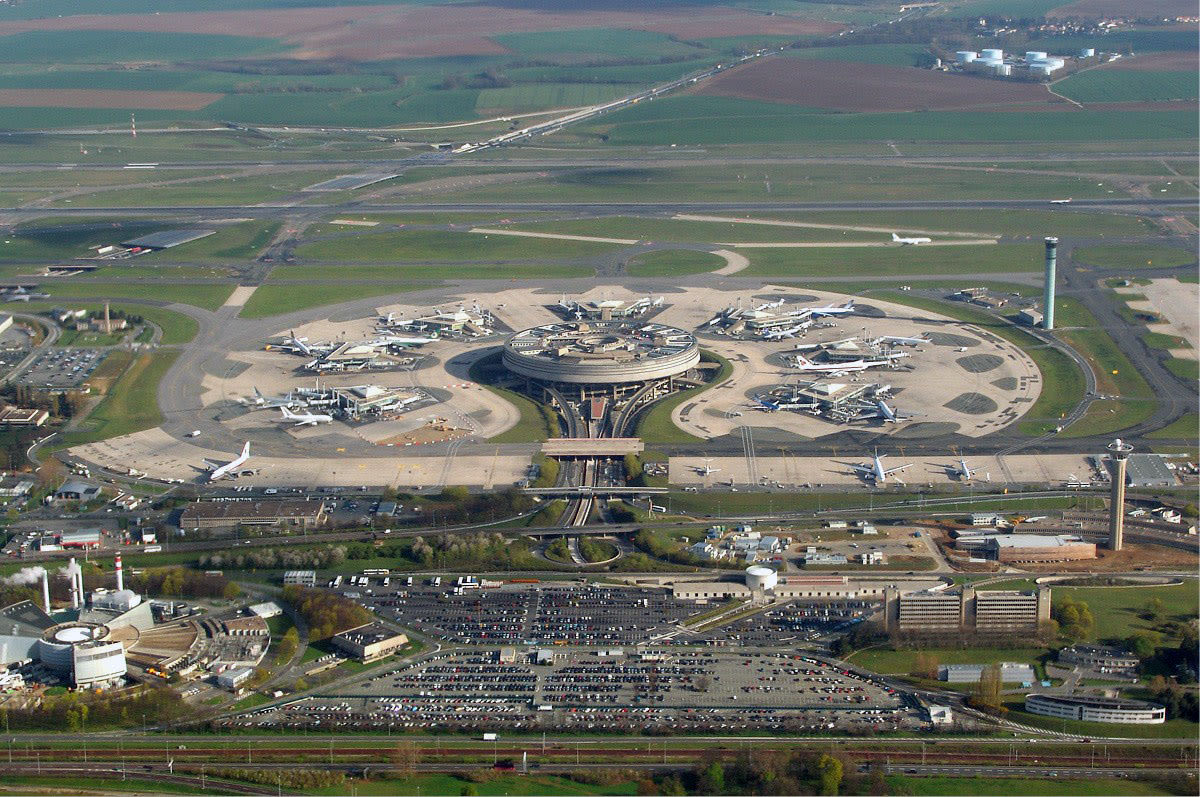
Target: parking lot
[(62, 367), (790, 623), (605, 690), (542, 613)]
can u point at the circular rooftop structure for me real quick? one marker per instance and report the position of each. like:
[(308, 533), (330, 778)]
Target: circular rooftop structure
[(601, 352)]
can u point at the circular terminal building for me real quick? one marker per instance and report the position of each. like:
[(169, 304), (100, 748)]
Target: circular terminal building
[(607, 354)]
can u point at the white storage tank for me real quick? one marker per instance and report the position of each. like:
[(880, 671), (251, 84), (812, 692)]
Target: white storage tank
[(1040, 70), (991, 55), (98, 663), (761, 578), (1035, 55), (1002, 69), (965, 56), (1087, 52)]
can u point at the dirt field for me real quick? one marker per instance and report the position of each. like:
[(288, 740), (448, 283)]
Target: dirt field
[(97, 98), (867, 87), (1124, 8), (1153, 62), (372, 32), (1133, 555)]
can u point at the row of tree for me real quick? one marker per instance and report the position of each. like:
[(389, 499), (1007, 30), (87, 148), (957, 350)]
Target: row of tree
[(325, 613), (81, 712)]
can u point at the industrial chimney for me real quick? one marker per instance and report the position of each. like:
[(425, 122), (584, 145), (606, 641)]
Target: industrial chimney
[(46, 590), (120, 574)]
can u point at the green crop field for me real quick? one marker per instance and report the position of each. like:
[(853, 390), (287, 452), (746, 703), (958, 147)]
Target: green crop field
[(130, 405), (892, 261), (189, 80), (1134, 256), (703, 120), (443, 246), (538, 96), (1128, 85), (277, 298), (672, 263)]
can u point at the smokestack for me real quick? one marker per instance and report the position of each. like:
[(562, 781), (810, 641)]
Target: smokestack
[(79, 588), (1119, 451), (107, 320), (1048, 296), (120, 574), (72, 570), (46, 590)]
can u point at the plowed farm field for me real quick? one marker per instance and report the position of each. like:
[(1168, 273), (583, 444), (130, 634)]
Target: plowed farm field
[(846, 86), (389, 31), (103, 98)]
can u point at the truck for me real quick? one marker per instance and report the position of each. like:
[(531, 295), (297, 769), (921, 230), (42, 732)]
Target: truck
[(490, 737)]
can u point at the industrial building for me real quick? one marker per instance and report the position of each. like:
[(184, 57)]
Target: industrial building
[(303, 578), (1035, 548), (370, 642), (1010, 673), (224, 514), (77, 491), (942, 611), (1096, 709), (1099, 657), (1148, 470), (23, 416)]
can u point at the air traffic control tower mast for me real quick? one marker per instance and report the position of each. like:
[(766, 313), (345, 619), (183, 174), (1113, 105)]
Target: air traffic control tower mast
[(1048, 296), (1119, 452)]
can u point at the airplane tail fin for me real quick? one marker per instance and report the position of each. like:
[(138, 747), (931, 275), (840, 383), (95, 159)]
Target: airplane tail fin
[(895, 237), (246, 449), (286, 413), (257, 393)]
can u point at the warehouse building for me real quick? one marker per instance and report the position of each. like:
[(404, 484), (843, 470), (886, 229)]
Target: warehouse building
[(223, 514), (1096, 709), (370, 642), (1148, 470), (303, 578)]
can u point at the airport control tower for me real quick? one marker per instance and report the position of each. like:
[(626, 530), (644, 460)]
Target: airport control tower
[(1119, 455), (1048, 296)]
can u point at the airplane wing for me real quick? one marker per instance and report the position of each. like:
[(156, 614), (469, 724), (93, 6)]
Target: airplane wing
[(897, 469)]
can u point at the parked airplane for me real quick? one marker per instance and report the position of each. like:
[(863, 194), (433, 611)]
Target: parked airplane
[(889, 414), (875, 472), (780, 334), (305, 418), (837, 309), (835, 369), (231, 468), (964, 471), (705, 469), (1066, 201), (893, 340), (260, 400), (899, 239)]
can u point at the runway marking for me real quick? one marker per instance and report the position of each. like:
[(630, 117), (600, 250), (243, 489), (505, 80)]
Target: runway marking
[(555, 236), (734, 262), (241, 294), (355, 222), (854, 244), (814, 226)]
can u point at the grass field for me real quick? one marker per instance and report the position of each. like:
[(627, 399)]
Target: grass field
[(884, 54), (43, 240), (672, 263), (218, 191), (210, 296), (677, 230), (655, 425), (177, 328), (447, 784), (1002, 786), (241, 241), (1134, 256), (892, 261), (1116, 609), (778, 182), (706, 121), (443, 246), (1128, 85), (130, 405), (902, 662), (1187, 426), (276, 298), (991, 222), (1115, 375), (432, 271), (537, 96)]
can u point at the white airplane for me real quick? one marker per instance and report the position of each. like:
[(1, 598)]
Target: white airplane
[(393, 340), (837, 309), (1034, 519), (229, 468), (305, 418), (780, 334), (705, 469), (899, 239), (963, 471), (835, 369), (1066, 201), (889, 414), (260, 400), (893, 340), (875, 472), (826, 345), (297, 344)]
